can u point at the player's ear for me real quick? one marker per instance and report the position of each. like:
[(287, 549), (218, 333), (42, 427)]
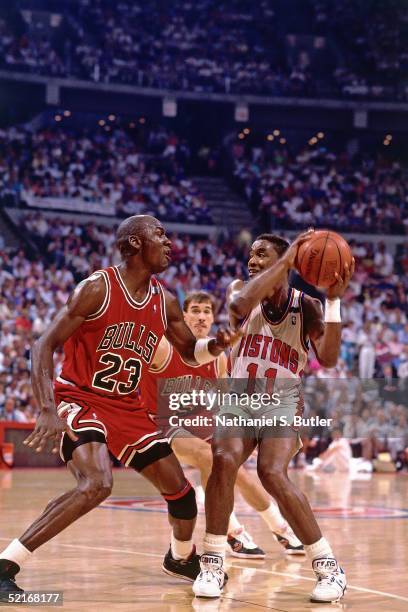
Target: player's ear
[(135, 242)]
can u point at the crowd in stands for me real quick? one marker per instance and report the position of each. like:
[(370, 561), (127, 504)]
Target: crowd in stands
[(307, 48), (371, 37), (104, 166), (124, 173), (374, 312), (319, 187)]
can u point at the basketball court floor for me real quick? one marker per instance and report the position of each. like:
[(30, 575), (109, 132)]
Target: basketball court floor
[(111, 558)]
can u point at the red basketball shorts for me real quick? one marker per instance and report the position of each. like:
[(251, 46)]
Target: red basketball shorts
[(128, 434)]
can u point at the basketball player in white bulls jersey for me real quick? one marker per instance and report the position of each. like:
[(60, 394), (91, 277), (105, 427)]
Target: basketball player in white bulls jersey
[(278, 322)]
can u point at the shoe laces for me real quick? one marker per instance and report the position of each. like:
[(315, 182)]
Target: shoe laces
[(209, 574), (329, 579)]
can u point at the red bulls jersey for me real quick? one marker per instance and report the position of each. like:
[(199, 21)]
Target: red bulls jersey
[(113, 348), (176, 376)]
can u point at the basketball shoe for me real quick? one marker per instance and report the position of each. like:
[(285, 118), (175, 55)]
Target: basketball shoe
[(212, 577), (287, 539), (331, 580), (186, 569), (242, 545), (8, 570)]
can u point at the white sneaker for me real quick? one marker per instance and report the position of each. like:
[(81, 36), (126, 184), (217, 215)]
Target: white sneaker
[(331, 580), (242, 545), (287, 539), (211, 579)]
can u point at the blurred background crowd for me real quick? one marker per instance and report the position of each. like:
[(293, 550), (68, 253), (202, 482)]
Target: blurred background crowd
[(352, 49)]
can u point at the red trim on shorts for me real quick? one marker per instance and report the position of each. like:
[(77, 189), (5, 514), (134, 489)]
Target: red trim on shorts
[(94, 423), (139, 446)]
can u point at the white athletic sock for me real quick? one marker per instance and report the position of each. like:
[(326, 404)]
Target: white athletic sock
[(321, 548), (234, 524), (180, 549), (273, 517), (16, 552), (215, 544), (200, 495)]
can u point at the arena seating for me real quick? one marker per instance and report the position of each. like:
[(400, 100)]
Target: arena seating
[(317, 186), (105, 170), (317, 48)]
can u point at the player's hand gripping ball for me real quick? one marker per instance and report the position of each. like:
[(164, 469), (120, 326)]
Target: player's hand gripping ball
[(321, 257)]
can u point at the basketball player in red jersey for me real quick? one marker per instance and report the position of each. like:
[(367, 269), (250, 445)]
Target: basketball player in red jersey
[(278, 322), (110, 329), (189, 442)]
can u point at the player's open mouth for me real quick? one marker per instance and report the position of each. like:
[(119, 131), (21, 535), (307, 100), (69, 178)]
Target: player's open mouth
[(253, 271)]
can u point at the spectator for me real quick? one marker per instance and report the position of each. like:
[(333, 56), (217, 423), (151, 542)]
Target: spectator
[(337, 457), (367, 351)]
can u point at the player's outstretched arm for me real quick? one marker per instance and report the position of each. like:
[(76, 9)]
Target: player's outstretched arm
[(181, 337), (85, 300), (243, 297), (324, 331)]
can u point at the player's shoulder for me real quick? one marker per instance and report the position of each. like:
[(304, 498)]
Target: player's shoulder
[(95, 284), (90, 294), (172, 306), (170, 297)]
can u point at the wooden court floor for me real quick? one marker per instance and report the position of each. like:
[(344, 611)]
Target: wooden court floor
[(112, 557)]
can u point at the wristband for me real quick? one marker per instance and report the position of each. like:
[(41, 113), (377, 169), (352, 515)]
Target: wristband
[(332, 311), (201, 353)]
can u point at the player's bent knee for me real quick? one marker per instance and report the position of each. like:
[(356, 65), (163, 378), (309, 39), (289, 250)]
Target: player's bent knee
[(272, 478), (182, 505), (225, 463), (96, 488)]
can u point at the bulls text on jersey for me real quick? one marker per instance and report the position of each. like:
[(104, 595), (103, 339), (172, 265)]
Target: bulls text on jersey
[(121, 335)]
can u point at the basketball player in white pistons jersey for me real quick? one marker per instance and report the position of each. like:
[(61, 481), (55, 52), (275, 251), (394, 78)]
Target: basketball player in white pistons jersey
[(277, 323), (190, 443)]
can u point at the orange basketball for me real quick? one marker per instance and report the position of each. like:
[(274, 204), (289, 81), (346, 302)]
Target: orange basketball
[(320, 257)]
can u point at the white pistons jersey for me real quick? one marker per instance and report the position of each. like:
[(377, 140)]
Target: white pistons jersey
[(271, 350)]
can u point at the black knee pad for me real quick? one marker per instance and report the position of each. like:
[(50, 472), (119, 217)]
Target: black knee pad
[(182, 505)]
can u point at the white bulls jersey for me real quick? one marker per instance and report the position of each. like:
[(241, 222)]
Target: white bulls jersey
[(271, 350)]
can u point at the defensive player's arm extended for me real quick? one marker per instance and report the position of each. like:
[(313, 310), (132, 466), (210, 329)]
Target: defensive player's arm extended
[(182, 338), (85, 300)]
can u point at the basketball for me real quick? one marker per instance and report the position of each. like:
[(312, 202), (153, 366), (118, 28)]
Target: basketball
[(321, 257)]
